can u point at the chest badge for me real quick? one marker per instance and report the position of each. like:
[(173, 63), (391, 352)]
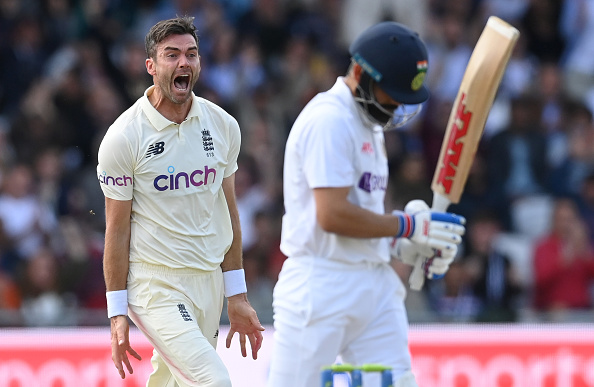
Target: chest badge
[(207, 143)]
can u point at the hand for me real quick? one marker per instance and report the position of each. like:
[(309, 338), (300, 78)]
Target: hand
[(440, 230), (120, 345), (243, 320), (437, 260), (408, 251), (437, 266)]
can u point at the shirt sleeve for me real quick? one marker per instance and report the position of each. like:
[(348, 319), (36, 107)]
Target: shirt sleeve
[(327, 152), (115, 170), (234, 146)]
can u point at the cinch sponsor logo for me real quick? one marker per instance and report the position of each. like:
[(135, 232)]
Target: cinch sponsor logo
[(179, 180), (114, 180), (370, 182), (449, 168)]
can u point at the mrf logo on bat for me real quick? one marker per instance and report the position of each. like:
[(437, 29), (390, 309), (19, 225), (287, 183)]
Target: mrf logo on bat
[(456, 143)]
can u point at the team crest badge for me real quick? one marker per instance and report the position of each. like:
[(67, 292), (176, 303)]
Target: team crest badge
[(418, 80)]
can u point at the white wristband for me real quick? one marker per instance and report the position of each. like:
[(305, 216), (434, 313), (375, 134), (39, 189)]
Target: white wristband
[(117, 303), (234, 282)]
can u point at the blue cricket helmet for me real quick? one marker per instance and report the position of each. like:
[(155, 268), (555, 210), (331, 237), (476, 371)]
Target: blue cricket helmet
[(395, 58)]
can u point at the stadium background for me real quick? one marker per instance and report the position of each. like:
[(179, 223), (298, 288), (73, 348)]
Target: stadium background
[(68, 68)]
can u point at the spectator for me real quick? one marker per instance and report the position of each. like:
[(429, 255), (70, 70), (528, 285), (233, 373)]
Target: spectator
[(43, 303), (410, 181), (492, 278), (452, 298), (564, 262), (27, 222), (578, 163), (517, 158), (586, 204), (449, 53), (251, 198)]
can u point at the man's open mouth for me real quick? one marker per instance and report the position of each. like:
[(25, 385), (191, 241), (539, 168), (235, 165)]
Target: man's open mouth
[(181, 82)]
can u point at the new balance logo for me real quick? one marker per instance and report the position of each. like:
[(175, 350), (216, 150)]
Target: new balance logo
[(184, 313), (155, 149)]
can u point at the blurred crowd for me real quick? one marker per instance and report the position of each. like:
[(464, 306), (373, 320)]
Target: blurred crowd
[(68, 68)]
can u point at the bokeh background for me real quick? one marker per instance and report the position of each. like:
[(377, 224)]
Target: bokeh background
[(68, 68)]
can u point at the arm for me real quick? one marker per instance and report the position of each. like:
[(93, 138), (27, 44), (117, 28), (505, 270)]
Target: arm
[(117, 243), (115, 271), (337, 215), (242, 316)]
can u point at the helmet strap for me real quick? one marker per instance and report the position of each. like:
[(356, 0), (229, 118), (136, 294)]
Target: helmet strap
[(387, 116), (375, 111)]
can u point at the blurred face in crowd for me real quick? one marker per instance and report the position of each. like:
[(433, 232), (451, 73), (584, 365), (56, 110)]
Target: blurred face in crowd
[(175, 67)]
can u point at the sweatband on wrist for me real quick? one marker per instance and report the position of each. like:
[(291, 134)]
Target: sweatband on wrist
[(117, 303), (406, 224), (234, 282)]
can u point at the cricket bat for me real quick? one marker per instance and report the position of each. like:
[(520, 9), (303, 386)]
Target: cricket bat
[(467, 119)]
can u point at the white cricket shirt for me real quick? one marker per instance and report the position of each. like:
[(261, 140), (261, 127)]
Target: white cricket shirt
[(173, 175), (332, 144)]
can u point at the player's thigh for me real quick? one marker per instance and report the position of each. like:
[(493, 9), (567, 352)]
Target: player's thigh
[(170, 321), (299, 352), (384, 341), (189, 356), (161, 375), (309, 327)]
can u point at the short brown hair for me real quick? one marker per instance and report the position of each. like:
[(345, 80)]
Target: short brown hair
[(161, 30)]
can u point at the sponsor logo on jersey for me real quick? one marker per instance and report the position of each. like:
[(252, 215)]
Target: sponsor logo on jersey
[(370, 182), (121, 181), (173, 180), (155, 149), (367, 148)]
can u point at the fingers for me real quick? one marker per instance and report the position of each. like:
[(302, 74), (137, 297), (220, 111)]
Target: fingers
[(242, 344), (229, 337), (120, 357), (447, 227), (127, 363), (448, 217), (445, 236), (441, 244), (134, 353), (439, 265), (257, 344)]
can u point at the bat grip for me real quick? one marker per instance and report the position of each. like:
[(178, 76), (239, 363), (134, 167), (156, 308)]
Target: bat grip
[(417, 277)]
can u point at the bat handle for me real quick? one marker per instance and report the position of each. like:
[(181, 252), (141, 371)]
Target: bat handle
[(417, 277)]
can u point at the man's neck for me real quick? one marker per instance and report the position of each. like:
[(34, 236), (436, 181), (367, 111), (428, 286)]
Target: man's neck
[(172, 111)]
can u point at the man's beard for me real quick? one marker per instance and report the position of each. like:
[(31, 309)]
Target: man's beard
[(382, 114), (167, 88)]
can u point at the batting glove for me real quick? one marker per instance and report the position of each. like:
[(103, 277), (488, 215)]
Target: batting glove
[(437, 266), (443, 234), (437, 262), (440, 230), (408, 252)]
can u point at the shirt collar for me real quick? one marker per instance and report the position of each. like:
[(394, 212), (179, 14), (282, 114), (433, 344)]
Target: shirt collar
[(342, 90), (156, 118)]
